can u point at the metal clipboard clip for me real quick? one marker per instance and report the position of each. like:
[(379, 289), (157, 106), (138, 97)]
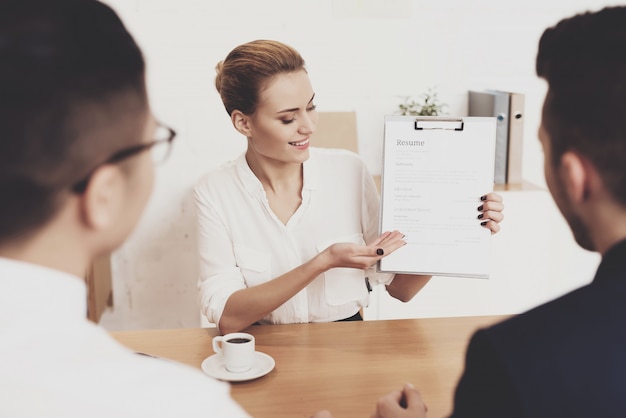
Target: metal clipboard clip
[(437, 122)]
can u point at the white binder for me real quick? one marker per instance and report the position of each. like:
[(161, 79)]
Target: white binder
[(508, 109), (435, 170)]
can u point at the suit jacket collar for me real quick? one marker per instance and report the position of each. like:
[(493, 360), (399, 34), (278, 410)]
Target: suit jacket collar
[(613, 264)]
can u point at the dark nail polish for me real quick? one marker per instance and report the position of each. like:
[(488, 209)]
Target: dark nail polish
[(481, 207), (480, 216), (483, 223), (380, 251), (483, 197)]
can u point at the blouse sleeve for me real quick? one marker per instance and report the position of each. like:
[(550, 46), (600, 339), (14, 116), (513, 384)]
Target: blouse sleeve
[(219, 276)]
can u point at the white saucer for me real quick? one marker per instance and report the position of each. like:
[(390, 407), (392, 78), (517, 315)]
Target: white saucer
[(214, 367)]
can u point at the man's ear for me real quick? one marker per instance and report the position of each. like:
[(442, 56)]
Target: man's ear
[(102, 200), (577, 175), (241, 122)]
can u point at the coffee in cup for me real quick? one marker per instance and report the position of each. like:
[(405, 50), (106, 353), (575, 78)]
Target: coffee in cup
[(237, 350)]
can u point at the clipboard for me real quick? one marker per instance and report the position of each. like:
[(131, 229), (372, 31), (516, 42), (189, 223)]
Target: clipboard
[(434, 171)]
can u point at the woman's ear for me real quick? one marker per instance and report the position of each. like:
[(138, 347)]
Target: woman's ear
[(577, 176), (102, 201), (241, 122)]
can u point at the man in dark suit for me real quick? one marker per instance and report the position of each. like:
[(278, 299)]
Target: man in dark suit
[(566, 358)]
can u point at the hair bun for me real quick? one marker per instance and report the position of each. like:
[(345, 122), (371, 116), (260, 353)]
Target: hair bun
[(218, 77)]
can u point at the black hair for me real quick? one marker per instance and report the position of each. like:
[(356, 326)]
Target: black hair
[(583, 59), (56, 57)]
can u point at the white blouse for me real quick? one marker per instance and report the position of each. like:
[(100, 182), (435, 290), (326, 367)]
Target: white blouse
[(242, 243)]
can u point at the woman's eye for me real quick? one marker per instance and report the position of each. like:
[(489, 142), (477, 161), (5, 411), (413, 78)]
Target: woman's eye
[(312, 107), (287, 121)]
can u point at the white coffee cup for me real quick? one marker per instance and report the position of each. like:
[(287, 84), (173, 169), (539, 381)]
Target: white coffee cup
[(237, 350)]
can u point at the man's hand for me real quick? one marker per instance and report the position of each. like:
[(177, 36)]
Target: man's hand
[(406, 403)]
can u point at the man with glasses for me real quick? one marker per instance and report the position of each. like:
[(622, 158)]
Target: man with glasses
[(76, 138)]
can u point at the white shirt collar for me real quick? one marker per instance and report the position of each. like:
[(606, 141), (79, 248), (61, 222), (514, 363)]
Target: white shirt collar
[(28, 290)]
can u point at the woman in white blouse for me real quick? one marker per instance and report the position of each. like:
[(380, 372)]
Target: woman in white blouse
[(289, 233)]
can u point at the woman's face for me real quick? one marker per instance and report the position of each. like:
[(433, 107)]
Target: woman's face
[(285, 119)]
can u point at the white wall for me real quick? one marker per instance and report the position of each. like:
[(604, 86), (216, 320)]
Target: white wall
[(362, 55)]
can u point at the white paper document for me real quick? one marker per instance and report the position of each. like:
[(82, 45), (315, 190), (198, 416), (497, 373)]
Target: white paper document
[(434, 172)]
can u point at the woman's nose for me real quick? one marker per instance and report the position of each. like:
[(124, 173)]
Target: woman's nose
[(308, 124)]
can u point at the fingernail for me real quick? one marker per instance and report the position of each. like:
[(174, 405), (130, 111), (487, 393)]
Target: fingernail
[(483, 223), (481, 207), (380, 251), (480, 216), (483, 197)]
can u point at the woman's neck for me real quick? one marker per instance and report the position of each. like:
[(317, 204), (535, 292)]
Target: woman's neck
[(275, 176)]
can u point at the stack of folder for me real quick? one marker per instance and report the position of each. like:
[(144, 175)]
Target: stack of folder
[(508, 109)]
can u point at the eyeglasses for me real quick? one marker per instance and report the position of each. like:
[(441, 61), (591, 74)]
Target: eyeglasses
[(160, 149)]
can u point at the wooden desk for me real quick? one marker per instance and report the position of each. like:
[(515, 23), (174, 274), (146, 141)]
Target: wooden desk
[(344, 367)]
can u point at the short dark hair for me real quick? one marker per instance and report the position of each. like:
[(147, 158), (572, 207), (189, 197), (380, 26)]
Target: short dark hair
[(56, 57), (583, 59)]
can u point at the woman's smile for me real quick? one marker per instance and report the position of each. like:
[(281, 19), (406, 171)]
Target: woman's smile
[(302, 144)]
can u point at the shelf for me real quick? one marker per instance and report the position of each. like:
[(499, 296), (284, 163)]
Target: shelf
[(517, 187), (511, 187)]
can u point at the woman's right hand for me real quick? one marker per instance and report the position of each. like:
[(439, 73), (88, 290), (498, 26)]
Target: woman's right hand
[(345, 254)]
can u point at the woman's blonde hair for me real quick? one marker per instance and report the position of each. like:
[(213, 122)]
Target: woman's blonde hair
[(248, 68)]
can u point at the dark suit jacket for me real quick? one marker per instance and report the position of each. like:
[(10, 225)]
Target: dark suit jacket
[(566, 358)]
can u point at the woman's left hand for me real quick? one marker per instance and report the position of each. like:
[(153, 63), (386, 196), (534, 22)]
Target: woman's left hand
[(491, 211)]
